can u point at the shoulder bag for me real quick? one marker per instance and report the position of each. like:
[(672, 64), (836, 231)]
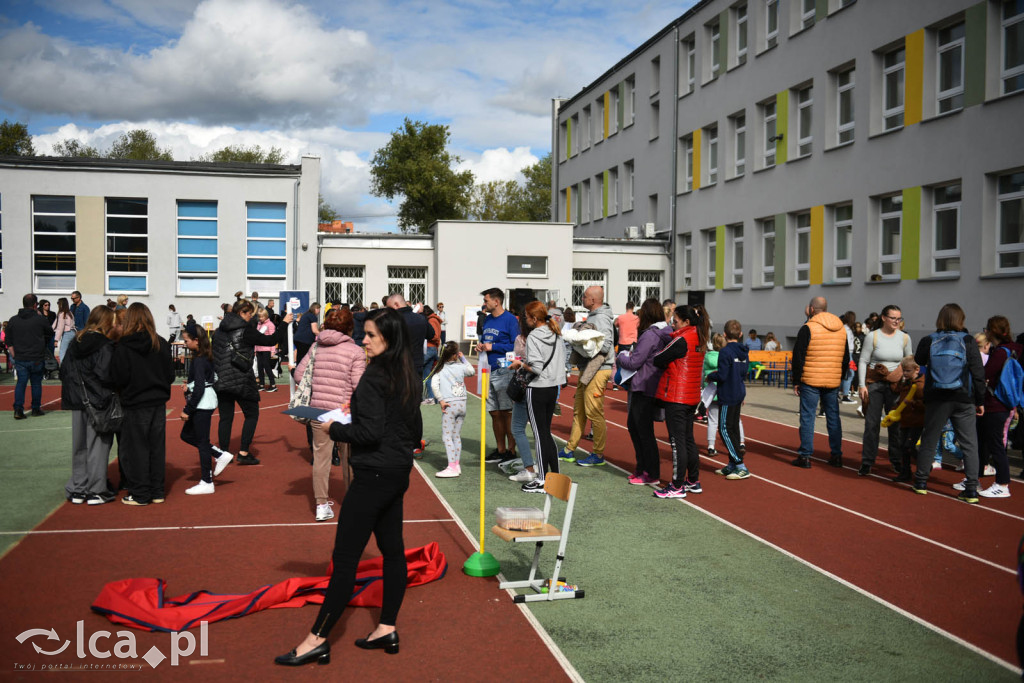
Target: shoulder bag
[(304, 389), (105, 420), (522, 377)]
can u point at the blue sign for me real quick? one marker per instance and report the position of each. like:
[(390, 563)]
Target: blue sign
[(299, 301)]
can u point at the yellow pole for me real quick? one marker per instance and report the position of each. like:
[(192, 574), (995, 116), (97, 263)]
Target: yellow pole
[(483, 449)]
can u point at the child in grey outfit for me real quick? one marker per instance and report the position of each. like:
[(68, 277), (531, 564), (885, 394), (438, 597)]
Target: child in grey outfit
[(448, 384)]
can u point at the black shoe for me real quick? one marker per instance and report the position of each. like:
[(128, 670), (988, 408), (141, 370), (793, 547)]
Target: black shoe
[(38, 412), (803, 462), (247, 460), (496, 456), (388, 643), (321, 653), (836, 461), (903, 477), (19, 414), (864, 470), (271, 389), (507, 458), (921, 489), (589, 436)]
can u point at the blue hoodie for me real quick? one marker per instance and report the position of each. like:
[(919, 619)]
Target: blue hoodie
[(732, 369)]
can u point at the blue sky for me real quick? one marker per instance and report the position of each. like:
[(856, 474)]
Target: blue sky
[(317, 77)]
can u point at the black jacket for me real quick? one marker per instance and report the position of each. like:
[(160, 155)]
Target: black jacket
[(27, 335), (202, 375), (235, 336), (359, 327), (144, 376), (91, 356), (974, 392), (419, 332), (383, 432)]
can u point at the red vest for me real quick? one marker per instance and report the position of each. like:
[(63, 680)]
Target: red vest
[(680, 382)]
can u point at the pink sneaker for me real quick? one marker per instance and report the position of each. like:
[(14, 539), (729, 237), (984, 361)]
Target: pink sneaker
[(450, 471), (648, 479), (638, 479)]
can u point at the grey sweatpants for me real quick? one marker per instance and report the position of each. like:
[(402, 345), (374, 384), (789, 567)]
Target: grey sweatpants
[(90, 453), (962, 415)]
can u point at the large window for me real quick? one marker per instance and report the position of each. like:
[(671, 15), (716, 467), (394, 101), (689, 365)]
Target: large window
[(741, 34), (767, 251), (197, 247), (802, 248), (893, 64), (735, 233), (686, 247), (771, 18), (768, 129), (1010, 242), (53, 243), (845, 80), (711, 135), (890, 232), (951, 68), (642, 285), (739, 144), (842, 263), (711, 256), (344, 284), (946, 241), (266, 246), (127, 245), (804, 137), (1012, 58), (526, 266), (581, 279), (409, 281)]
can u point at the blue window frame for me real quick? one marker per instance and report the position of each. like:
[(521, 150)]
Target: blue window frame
[(197, 247), (266, 246)]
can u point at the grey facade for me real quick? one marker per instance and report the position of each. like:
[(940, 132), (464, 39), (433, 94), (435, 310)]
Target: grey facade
[(871, 152)]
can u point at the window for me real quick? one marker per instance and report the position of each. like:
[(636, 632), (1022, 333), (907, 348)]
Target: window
[(627, 186), (197, 247), (265, 245), (585, 202), (807, 12), (127, 245), (628, 106), (768, 251), (599, 201), (565, 133), (688, 64), (599, 127), (574, 135), (771, 21), (655, 121), (409, 281), (1012, 59), (655, 75), (715, 35), (946, 244), (642, 285), (526, 266), (804, 137), (614, 118), (652, 209), (890, 229), (736, 238), (581, 279), (53, 243), (892, 86), (768, 118), (344, 284), (686, 157), (842, 263), (741, 34), (711, 253), (584, 130), (613, 191), (951, 68), (1010, 244), (711, 135), (686, 246), (739, 144), (802, 260), (844, 106)]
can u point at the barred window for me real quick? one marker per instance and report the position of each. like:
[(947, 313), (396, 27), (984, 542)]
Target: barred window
[(409, 281), (581, 279), (642, 285), (344, 284)]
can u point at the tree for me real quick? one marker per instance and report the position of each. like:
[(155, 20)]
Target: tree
[(15, 140), (326, 211), (416, 165), (499, 200), (537, 201), (247, 155), (138, 144), (70, 147)]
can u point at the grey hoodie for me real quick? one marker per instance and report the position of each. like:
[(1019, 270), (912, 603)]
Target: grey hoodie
[(602, 320), (538, 349)]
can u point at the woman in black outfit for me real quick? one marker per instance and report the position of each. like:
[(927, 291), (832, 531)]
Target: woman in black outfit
[(386, 427), (233, 354)]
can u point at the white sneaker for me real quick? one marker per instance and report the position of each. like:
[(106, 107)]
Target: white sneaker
[(996, 491), (960, 485), (200, 489), (324, 511), (523, 476), (989, 471), (959, 466), (223, 460), (449, 472)]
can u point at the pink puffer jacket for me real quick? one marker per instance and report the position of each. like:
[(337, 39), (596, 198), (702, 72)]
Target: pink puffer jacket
[(339, 364)]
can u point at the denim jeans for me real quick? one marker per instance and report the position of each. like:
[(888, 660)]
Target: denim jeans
[(810, 397), (521, 418), (844, 388), (28, 370), (429, 358)]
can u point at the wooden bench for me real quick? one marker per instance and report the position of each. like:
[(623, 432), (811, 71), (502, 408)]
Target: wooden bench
[(777, 365)]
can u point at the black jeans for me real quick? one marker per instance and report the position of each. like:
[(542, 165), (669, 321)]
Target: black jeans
[(540, 405), (640, 423), (685, 457), (373, 504), (300, 352), (265, 365), (143, 452), (196, 432), (226, 410)]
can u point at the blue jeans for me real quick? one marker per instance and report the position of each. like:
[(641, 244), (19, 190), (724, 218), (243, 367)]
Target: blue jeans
[(844, 388), (429, 358), (521, 418), (809, 400), (28, 369)]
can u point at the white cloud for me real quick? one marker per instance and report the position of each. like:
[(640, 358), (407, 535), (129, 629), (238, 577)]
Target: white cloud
[(499, 164)]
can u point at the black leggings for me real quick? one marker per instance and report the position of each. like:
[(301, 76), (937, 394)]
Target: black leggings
[(142, 450), (373, 504), (685, 457), (265, 365), (226, 410), (196, 432), (640, 423), (540, 404)]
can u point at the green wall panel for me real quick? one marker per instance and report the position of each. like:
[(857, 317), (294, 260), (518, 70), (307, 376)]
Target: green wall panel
[(910, 235)]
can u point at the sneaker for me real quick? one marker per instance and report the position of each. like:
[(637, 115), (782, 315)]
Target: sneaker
[(419, 451), (592, 460), (738, 474), (937, 466), (271, 389), (959, 466), (996, 491), (247, 460), (802, 461), (566, 456), (970, 496), (989, 471), (38, 412), (128, 500), (589, 436), (535, 486), (201, 489), (449, 472), (324, 511), (523, 477), (19, 414), (638, 479), (693, 487), (725, 471), (511, 464), (960, 485), (835, 461), (99, 499), (223, 460), (848, 399), (648, 479), (821, 414), (865, 470), (860, 410), (558, 410), (77, 498), (157, 500), (495, 456), (712, 452), (670, 491), (427, 402), (920, 489)]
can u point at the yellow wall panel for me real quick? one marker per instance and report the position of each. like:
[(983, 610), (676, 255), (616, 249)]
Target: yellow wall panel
[(913, 95)]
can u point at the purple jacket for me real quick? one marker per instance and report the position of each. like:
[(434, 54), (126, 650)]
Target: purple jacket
[(650, 343)]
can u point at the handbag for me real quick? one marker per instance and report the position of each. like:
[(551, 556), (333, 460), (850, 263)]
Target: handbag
[(105, 420), (239, 360), (303, 395), (522, 377)]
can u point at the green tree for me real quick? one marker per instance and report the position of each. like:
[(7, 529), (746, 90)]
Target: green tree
[(416, 165), (499, 200), (139, 144), (15, 140), (537, 201), (69, 147), (247, 155), (326, 211)]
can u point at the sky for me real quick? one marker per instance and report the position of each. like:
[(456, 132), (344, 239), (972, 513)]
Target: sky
[(320, 77)]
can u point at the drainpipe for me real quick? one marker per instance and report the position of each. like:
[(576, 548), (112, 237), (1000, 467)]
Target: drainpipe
[(295, 234), (675, 171)]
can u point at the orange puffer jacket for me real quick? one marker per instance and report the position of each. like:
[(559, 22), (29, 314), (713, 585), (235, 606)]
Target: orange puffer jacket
[(823, 365), (680, 382)]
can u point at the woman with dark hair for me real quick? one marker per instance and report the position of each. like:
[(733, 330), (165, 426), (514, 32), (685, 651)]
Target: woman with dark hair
[(63, 328), (881, 354), (385, 428), (200, 401), (233, 354), (50, 362), (679, 389), (994, 425), (653, 335), (338, 364), (958, 404), (143, 372)]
